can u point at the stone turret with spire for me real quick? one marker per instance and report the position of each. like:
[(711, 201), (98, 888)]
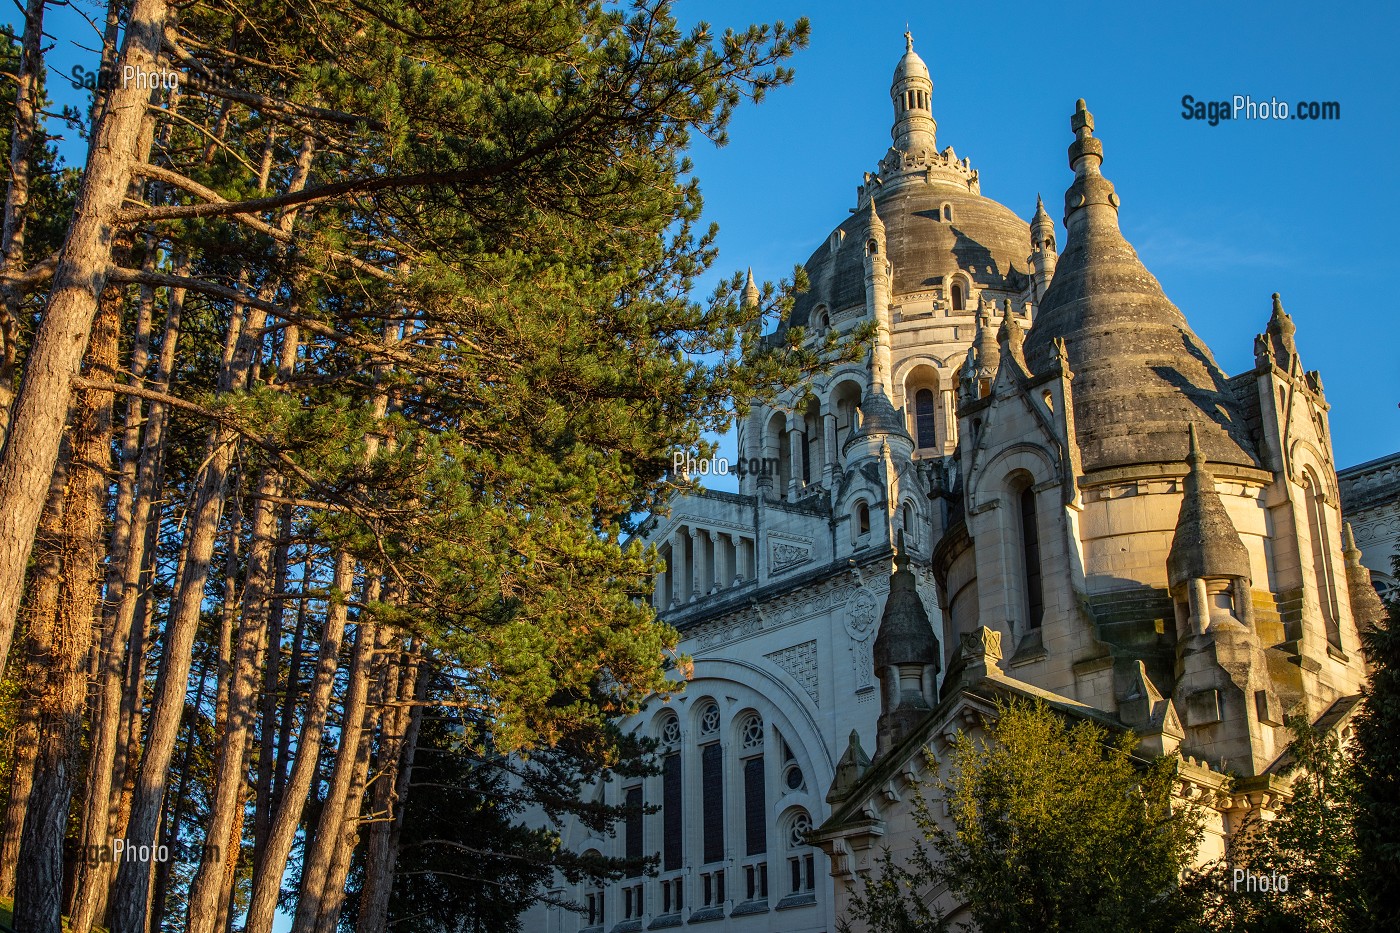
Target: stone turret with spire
[(911, 92), (906, 658), (1222, 674), (1043, 252)]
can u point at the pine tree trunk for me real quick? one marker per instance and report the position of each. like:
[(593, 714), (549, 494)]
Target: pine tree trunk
[(39, 884), (267, 881), (23, 135), (42, 604), (25, 742), (272, 681), (229, 612), (343, 841), (106, 766), (391, 785), (321, 848), (225, 819), (172, 822), (37, 415), (130, 899)]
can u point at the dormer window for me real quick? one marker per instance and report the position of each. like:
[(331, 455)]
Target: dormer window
[(959, 299)]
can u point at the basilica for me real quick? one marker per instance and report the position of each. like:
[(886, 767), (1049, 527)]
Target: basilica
[(1038, 483)]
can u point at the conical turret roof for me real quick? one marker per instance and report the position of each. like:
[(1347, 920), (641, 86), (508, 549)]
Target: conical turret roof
[(1140, 373), (906, 635), (1206, 543)]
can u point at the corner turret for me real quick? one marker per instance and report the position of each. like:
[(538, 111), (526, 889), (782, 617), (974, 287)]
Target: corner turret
[(906, 657)]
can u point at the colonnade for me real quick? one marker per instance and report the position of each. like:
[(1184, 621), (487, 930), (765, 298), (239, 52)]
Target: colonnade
[(701, 562)]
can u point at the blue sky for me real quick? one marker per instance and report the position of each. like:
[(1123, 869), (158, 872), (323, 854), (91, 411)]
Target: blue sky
[(1222, 215)]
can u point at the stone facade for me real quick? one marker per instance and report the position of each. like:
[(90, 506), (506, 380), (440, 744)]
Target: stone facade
[(1371, 504), (1090, 511)]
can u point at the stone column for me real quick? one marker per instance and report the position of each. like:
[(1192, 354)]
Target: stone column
[(796, 440), (747, 564), (680, 566), (950, 419), (832, 456), (660, 599), (700, 541)]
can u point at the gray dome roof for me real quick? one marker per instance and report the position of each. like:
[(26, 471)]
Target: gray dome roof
[(910, 64), (1141, 376), (878, 416), (985, 240)]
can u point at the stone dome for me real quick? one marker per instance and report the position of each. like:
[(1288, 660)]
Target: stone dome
[(1141, 376), (984, 240), (910, 64)]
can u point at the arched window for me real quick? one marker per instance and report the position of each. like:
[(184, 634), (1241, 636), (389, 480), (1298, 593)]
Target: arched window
[(751, 740), (1322, 567), (672, 817), (800, 857), (593, 900), (826, 322), (948, 213), (925, 420), (910, 533), (668, 730), (711, 787), (1030, 558), (959, 299), (862, 519)]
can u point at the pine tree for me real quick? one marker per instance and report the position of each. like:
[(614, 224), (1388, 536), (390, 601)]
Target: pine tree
[(406, 341), (1376, 755), (1055, 826)]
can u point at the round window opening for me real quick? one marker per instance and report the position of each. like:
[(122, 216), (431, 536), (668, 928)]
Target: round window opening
[(793, 777), (709, 720)]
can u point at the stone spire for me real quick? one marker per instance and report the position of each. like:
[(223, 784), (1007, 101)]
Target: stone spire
[(911, 92), (1280, 332), (1366, 606), (1010, 337), (1206, 544), (1042, 227), (849, 770), (1132, 352), (877, 298), (984, 356), (906, 657), (751, 291), (1223, 686), (1043, 251)]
